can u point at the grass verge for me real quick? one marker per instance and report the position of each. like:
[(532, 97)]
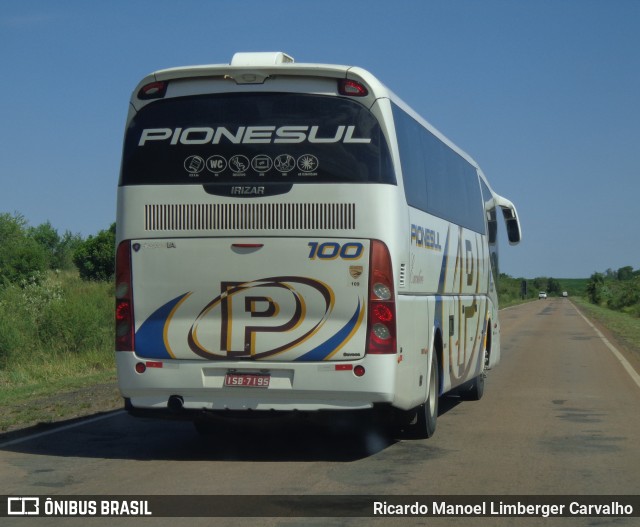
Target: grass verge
[(56, 346), (38, 405), (623, 327)]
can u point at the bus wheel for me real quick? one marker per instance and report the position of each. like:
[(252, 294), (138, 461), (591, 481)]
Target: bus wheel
[(426, 415), (473, 390)]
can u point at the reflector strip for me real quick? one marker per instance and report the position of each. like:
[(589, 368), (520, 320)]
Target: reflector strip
[(153, 364)]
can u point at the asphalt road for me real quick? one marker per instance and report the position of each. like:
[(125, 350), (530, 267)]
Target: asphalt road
[(559, 417)]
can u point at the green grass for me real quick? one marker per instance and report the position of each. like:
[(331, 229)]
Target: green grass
[(34, 390), (624, 326), (35, 404), (56, 336)]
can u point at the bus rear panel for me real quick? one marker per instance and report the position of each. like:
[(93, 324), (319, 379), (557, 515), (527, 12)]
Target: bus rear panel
[(271, 254)]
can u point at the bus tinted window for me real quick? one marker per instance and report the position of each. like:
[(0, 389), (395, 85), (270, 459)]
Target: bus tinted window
[(255, 138), (436, 179)]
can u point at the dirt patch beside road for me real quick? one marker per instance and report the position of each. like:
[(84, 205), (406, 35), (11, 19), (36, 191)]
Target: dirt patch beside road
[(43, 412)]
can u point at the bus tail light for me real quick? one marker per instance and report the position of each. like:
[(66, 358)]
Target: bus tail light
[(124, 298), (381, 330), (352, 88), (153, 90)]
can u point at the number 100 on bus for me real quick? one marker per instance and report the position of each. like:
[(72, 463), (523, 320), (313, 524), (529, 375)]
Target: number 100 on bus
[(333, 250)]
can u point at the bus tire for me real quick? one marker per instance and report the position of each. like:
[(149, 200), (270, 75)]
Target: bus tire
[(423, 425), (474, 389)]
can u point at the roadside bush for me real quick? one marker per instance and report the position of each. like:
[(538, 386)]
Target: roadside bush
[(10, 335), (508, 290), (21, 258), (53, 325), (59, 249), (95, 257), (625, 295), (82, 322), (619, 290), (595, 288), (45, 323)]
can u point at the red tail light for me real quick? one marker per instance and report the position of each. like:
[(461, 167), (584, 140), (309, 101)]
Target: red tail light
[(124, 298), (381, 331), (352, 88), (153, 90)]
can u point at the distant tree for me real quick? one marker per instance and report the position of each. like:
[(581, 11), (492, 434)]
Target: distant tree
[(553, 286), (595, 287), (66, 249), (509, 289), (95, 257), (59, 249), (625, 273), (539, 283), (45, 235), (21, 257), (625, 295)]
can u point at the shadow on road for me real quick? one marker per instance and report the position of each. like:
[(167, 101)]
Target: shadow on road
[(338, 437), (291, 438)]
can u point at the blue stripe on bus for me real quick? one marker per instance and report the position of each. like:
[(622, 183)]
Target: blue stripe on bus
[(150, 337), (325, 349)]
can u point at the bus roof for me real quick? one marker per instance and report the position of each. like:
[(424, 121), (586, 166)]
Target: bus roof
[(256, 67)]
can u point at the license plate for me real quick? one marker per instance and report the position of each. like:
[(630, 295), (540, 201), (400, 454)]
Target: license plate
[(247, 380)]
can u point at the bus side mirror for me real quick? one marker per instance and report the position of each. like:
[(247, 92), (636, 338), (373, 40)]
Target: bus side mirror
[(513, 231), (514, 234)]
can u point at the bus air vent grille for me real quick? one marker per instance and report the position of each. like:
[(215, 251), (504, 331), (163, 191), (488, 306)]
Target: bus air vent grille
[(250, 216)]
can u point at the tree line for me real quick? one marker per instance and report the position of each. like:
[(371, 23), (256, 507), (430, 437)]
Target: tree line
[(27, 253), (513, 290), (618, 290)]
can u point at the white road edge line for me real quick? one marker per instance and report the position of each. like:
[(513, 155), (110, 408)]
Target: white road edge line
[(625, 363), (61, 429)]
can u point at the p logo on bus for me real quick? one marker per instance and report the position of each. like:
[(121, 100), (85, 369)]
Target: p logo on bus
[(251, 310), (256, 319)]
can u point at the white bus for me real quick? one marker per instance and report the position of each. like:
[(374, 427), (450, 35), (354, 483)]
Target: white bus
[(293, 237)]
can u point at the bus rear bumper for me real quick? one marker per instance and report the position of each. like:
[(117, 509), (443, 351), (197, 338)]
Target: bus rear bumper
[(179, 386)]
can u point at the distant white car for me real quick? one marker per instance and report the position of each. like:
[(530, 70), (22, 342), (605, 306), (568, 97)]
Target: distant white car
[(565, 294), (542, 294)]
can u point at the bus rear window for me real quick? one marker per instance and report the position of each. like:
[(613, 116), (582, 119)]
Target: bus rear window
[(255, 138)]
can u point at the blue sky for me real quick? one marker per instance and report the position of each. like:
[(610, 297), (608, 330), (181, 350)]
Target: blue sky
[(544, 94)]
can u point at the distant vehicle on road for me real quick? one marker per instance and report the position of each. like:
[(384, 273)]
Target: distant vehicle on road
[(565, 294), (542, 294)]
